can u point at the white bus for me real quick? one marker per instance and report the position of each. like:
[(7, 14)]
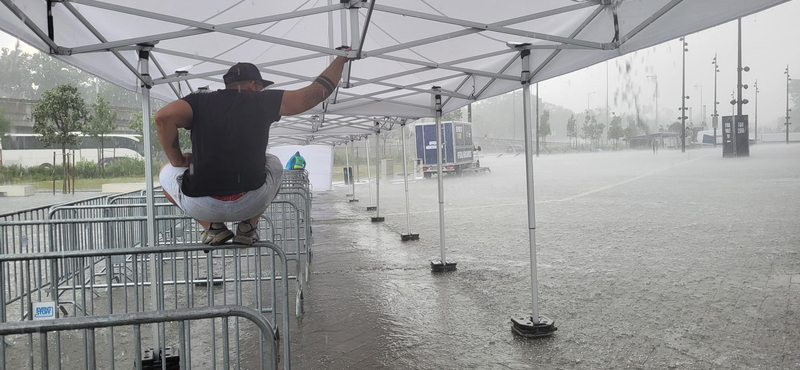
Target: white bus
[(26, 149)]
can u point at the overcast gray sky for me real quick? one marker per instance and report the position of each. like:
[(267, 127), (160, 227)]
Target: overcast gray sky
[(769, 44)]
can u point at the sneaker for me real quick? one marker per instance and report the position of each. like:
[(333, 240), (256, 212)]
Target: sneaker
[(245, 234), (217, 234)]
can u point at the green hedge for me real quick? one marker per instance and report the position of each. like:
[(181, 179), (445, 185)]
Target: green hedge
[(122, 167)]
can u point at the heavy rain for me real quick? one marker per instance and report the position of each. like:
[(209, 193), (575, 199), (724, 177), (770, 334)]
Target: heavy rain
[(636, 209)]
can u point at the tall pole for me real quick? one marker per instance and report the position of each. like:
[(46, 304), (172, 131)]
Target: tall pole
[(788, 78), (353, 179), (442, 264), (369, 175), (535, 325), (409, 235), (715, 117), (739, 75), (347, 165), (144, 69), (377, 217), (605, 129), (537, 119), (655, 77), (657, 125), (526, 116), (755, 124), (683, 97)]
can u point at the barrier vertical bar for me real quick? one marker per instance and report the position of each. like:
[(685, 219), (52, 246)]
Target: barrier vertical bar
[(144, 69), (408, 235), (377, 217), (535, 325), (442, 264)]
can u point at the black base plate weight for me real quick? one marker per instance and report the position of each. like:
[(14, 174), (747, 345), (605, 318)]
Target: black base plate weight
[(438, 266), (527, 327)]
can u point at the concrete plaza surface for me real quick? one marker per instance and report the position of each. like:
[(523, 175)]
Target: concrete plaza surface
[(684, 261)]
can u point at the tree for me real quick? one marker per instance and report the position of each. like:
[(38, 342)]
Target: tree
[(58, 116), (544, 125), (572, 128), (5, 126), (586, 129), (596, 132), (632, 129), (101, 124), (615, 130), (456, 115)]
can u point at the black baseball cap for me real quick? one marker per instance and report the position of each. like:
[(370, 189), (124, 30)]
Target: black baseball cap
[(244, 72)]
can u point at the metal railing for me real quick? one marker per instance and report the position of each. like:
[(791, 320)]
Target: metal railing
[(85, 282), (188, 356)]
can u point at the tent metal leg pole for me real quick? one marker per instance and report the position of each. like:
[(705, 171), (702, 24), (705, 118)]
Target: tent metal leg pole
[(408, 236), (442, 264), (144, 59), (377, 217), (535, 325), (369, 178), (347, 167), (353, 179)]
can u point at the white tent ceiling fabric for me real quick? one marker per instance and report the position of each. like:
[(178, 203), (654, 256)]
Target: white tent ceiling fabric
[(410, 45)]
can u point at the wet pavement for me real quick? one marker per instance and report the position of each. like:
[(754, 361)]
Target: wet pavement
[(685, 261), (15, 204)]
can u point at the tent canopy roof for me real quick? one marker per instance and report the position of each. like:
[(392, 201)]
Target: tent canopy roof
[(410, 45)]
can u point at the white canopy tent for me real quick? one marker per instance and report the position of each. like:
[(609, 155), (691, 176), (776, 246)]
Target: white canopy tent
[(413, 58), (409, 45)]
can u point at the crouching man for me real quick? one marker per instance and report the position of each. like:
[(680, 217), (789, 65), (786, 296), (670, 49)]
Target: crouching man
[(229, 176)]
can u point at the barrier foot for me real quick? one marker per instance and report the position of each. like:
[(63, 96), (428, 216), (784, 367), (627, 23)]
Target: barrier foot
[(348, 195), (353, 200), (438, 266), (372, 208), (170, 357), (527, 327), (407, 237), (203, 281), (378, 219)]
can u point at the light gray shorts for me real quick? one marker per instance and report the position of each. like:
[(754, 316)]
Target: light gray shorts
[(252, 204)]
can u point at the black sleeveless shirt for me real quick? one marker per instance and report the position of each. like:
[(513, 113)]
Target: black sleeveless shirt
[(230, 131)]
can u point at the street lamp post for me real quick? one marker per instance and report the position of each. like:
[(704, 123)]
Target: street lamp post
[(739, 86), (755, 124), (655, 77), (788, 79), (715, 116), (683, 96)]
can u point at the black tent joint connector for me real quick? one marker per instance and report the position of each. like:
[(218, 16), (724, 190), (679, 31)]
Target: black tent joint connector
[(527, 327)]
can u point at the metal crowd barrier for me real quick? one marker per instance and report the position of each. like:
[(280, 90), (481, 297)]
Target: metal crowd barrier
[(288, 221), (174, 230), (40, 213), (89, 266), (38, 334)]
